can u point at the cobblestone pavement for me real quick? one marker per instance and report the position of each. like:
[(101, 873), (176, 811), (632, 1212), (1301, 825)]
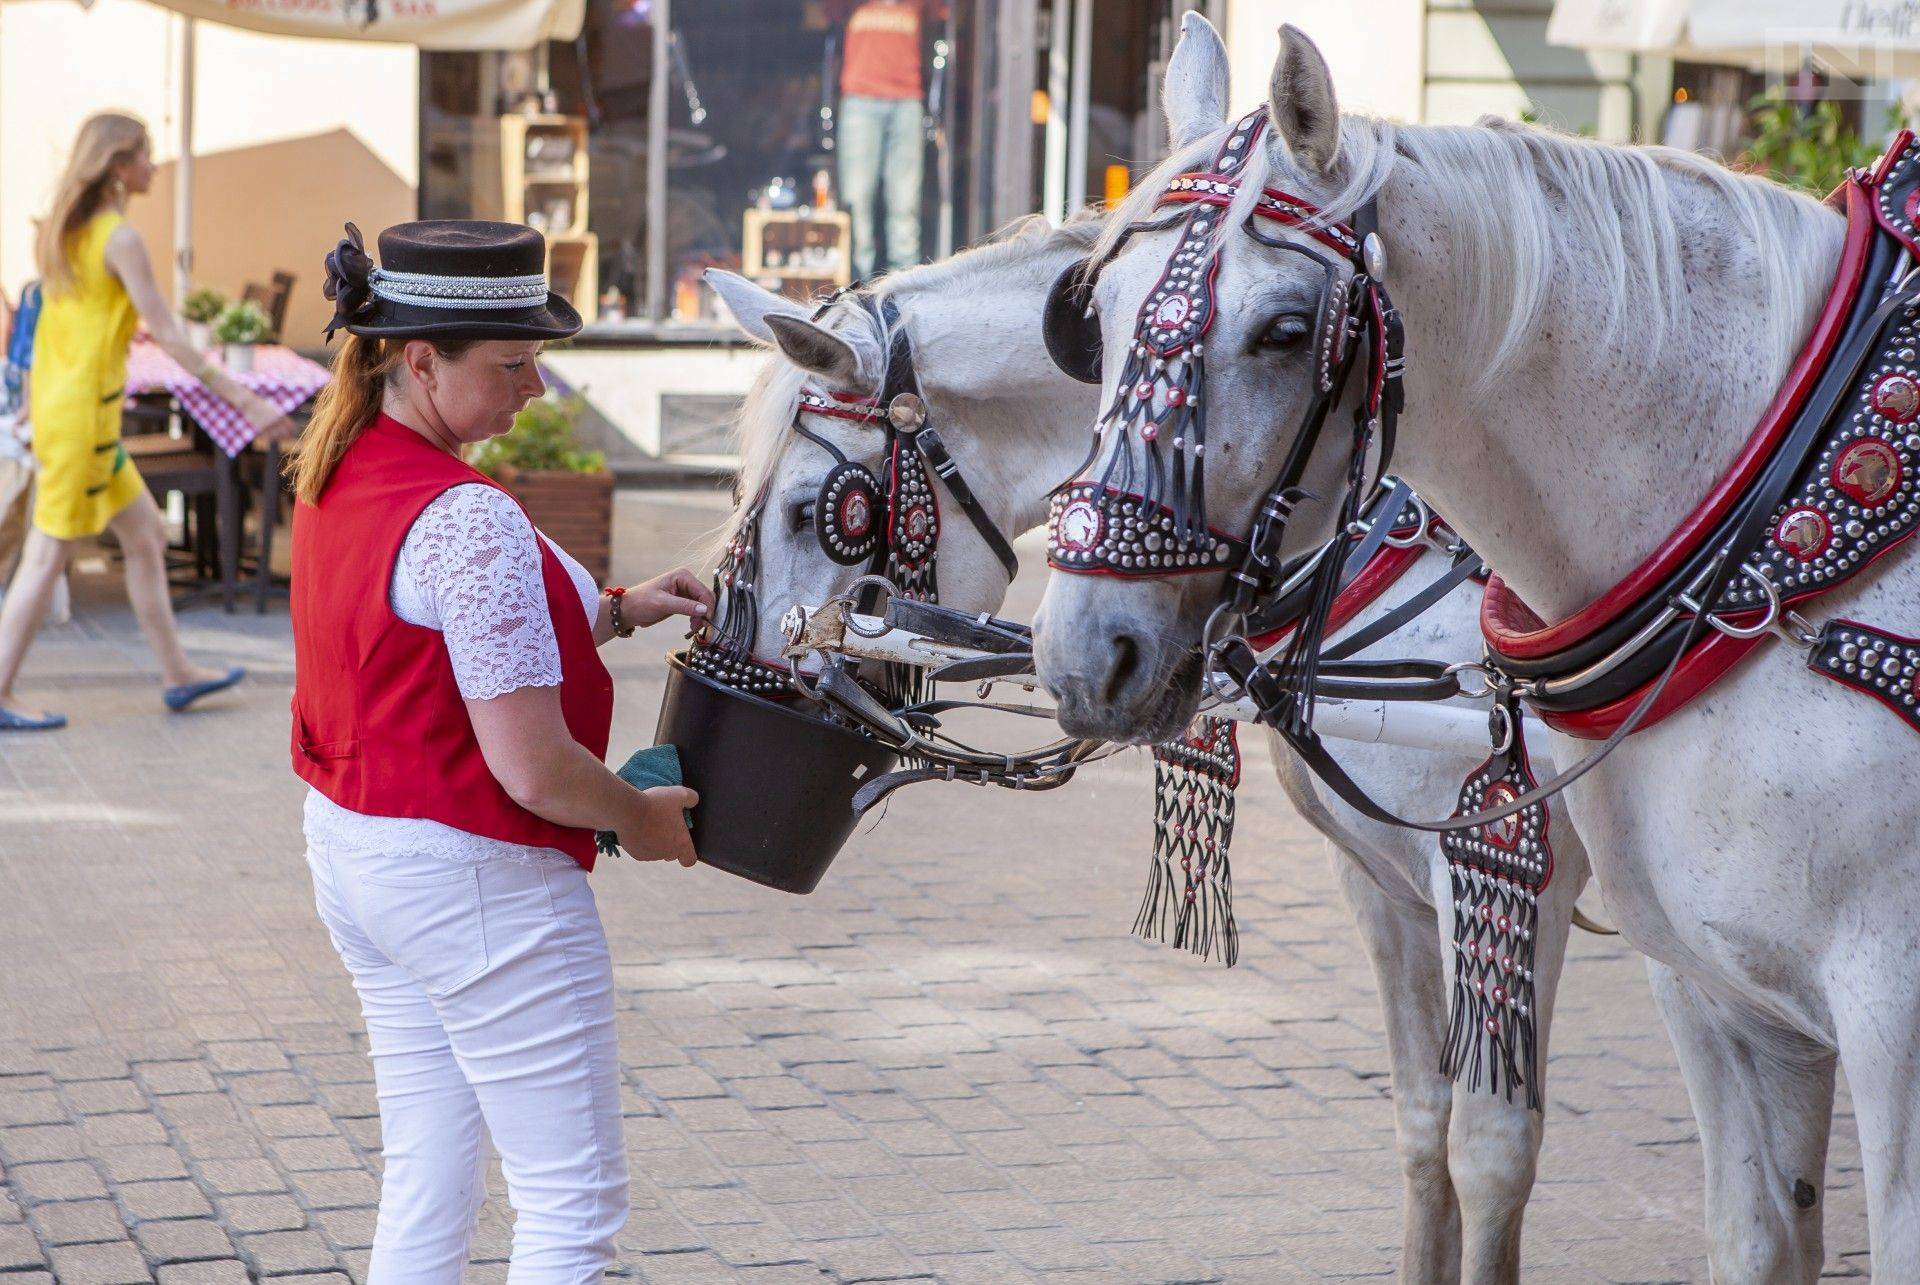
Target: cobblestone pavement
[(951, 1062)]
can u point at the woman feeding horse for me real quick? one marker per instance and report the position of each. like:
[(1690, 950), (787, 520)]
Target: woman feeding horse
[(451, 712)]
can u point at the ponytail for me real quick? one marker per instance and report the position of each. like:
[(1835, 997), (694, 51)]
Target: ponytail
[(362, 370), (344, 409)]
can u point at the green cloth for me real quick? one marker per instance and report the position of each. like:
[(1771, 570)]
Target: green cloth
[(643, 770)]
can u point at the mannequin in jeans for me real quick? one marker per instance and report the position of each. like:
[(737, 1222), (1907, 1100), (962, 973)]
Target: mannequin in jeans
[(880, 136), (451, 713)]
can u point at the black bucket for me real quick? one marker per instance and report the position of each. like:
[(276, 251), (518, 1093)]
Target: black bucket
[(776, 783)]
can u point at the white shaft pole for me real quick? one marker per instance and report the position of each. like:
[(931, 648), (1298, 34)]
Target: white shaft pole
[(183, 174)]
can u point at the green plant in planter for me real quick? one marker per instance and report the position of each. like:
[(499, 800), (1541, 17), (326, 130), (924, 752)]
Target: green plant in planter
[(540, 441), (244, 322), (1808, 149), (203, 304)]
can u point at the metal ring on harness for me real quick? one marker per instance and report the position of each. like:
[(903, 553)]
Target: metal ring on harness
[(1764, 626)]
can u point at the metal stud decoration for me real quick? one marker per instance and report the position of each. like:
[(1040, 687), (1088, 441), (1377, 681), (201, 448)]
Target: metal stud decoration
[(1885, 666), (1095, 528), (1858, 495), (1497, 872), (1189, 897), (723, 649)]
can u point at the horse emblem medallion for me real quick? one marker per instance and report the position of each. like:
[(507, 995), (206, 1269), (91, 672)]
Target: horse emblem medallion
[(1804, 533), (1897, 397), (1504, 833), (1868, 471), (856, 514), (1080, 526)]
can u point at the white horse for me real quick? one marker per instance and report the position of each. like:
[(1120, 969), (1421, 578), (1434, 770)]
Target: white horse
[(1592, 330), (1016, 426)]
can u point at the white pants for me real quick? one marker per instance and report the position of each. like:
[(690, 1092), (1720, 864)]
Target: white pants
[(488, 996)]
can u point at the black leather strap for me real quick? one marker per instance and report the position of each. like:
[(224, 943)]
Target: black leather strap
[(933, 449), (1465, 566)]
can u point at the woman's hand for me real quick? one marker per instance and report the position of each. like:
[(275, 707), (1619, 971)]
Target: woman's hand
[(657, 831), (677, 593)]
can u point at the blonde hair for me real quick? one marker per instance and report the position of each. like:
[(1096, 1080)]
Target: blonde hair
[(106, 138), (362, 371)]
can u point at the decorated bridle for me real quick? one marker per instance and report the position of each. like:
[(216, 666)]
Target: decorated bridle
[(893, 526), (1149, 519)]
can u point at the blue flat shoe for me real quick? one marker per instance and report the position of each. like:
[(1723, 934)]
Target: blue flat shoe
[(178, 698), (12, 722)]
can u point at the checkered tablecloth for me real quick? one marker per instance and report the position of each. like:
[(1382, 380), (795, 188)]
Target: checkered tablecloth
[(280, 375)]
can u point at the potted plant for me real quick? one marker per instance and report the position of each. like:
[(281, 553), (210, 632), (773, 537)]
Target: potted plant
[(239, 327), (202, 306), (567, 491)]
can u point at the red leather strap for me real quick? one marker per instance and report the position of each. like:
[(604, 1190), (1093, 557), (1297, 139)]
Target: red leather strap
[(1516, 631)]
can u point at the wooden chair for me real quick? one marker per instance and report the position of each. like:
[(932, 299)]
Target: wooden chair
[(272, 300), (170, 463)]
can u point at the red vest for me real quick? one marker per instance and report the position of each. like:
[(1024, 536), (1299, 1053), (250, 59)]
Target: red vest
[(379, 726)]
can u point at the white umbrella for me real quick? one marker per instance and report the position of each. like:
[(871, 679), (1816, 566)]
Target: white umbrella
[(1843, 37)]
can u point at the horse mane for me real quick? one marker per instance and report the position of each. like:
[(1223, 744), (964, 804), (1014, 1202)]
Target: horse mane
[(1548, 190), (761, 429)]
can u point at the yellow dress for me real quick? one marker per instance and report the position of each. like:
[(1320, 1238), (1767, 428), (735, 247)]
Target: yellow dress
[(75, 389)]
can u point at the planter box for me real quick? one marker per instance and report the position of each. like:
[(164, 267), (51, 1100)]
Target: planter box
[(575, 510)]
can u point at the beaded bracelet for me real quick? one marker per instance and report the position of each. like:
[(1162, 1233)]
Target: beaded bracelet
[(620, 628)]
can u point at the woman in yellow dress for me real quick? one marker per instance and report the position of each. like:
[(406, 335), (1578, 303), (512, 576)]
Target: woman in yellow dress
[(97, 282)]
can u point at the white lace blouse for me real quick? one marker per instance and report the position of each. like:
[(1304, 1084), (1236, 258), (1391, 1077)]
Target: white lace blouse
[(470, 568)]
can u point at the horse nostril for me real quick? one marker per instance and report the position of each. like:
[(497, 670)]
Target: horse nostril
[(1126, 659)]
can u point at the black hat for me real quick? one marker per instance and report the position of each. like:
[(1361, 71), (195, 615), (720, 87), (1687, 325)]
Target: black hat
[(447, 279)]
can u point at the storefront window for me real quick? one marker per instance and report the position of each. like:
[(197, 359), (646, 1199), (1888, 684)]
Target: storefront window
[(770, 115)]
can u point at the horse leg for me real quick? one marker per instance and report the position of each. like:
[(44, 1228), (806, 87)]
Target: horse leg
[(1764, 1101), (1398, 937), (1494, 1140), (1875, 1014)]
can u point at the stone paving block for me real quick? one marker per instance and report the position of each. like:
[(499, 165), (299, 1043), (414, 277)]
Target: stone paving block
[(262, 1213), (240, 1176), (124, 1129), (348, 1228), (27, 1143), (137, 1164), (62, 1180), (230, 1272), (183, 1241), (41, 1106), (279, 1253), (118, 1263), (297, 1155), (247, 1055), (19, 1248), (98, 1097), (335, 1189), (178, 1199), (77, 1222)]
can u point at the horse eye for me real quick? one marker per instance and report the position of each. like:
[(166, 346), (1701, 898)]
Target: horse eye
[(1289, 330), (800, 516)]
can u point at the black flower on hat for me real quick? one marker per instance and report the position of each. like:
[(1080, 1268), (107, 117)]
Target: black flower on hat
[(349, 281)]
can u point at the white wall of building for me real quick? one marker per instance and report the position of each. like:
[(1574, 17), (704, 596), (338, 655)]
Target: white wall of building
[(1442, 62), (292, 136), (1375, 49)]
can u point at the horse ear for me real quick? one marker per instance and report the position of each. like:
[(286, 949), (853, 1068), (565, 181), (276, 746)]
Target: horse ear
[(816, 349), (750, 304), (1194, 92), (1301, 104)]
